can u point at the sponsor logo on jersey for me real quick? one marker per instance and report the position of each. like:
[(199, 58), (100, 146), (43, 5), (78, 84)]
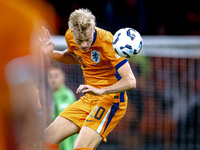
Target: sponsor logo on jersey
[(90, 120), (117, 56)]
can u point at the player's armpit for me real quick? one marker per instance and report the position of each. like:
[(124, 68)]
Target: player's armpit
[(68, 54)]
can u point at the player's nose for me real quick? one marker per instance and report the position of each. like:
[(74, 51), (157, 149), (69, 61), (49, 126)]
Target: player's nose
[(84, 44)]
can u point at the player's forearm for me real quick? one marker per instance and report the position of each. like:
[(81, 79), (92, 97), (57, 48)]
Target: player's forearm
[(122, 85), (63, 57)]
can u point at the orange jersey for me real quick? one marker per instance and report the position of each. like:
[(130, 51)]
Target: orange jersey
[(100, 63)]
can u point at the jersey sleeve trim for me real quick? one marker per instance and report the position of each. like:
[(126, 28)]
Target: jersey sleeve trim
[(95, 36), (71, 52), (121, 64)]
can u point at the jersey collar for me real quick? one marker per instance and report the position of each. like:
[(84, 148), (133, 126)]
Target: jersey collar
[(95, 37)]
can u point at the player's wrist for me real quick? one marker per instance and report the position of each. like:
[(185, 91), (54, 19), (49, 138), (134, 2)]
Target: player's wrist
[(50, 54)]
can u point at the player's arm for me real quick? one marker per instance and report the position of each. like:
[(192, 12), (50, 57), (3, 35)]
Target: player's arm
[(63, 56), (47, 48), (127, 82)]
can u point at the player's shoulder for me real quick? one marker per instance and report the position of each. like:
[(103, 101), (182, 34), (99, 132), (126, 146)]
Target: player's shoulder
[(69, 38), (103, 34), (69, 35), (104, 37)]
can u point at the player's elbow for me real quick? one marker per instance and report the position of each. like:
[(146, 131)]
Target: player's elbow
[(132, 83)]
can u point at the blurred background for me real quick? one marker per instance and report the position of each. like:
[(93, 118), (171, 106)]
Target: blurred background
[(155, 17), (164, 110)]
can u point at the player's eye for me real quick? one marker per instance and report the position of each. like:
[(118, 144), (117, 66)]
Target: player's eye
[(80, 41)]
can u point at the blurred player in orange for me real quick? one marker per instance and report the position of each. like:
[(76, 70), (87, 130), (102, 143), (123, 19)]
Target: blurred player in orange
[(107, 77), (37, 99), (47, 11), (20, 127)]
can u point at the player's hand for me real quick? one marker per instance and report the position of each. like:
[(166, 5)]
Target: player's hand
[(89, 89), (45, 42)]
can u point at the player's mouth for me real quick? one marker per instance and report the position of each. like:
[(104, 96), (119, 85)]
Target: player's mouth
[(85, 48)]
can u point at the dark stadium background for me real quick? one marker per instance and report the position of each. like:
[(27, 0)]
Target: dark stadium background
[(149, 17)]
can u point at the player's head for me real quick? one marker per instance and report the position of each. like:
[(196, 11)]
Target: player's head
[(56, 78), (82, 24)]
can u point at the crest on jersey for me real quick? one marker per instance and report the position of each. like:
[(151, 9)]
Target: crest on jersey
[(95, 56)]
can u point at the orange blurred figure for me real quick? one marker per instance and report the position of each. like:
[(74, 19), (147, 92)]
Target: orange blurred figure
[(20, 125)]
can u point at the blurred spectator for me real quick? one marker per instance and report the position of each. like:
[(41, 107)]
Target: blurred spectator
[(148, 17), (193, 17), (62, 98)]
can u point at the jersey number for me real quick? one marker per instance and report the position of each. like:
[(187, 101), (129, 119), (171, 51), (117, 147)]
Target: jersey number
[(97, 112)]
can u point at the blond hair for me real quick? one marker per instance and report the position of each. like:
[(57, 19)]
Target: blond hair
[(80, 20)]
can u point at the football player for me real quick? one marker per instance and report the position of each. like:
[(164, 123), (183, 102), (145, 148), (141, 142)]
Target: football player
[(107, 77)]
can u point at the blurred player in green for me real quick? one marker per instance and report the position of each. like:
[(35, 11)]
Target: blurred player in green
[(62, 98)]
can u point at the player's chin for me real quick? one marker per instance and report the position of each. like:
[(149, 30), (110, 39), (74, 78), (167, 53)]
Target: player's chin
[(85, 49)]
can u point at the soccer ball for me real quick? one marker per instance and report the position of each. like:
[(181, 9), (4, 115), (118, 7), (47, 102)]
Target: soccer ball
[(127, 42)]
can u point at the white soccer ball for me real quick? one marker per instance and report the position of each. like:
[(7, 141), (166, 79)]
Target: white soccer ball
[(127, 42)]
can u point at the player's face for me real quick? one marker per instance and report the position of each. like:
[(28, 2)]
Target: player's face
[(86, 42), (55, 79)]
